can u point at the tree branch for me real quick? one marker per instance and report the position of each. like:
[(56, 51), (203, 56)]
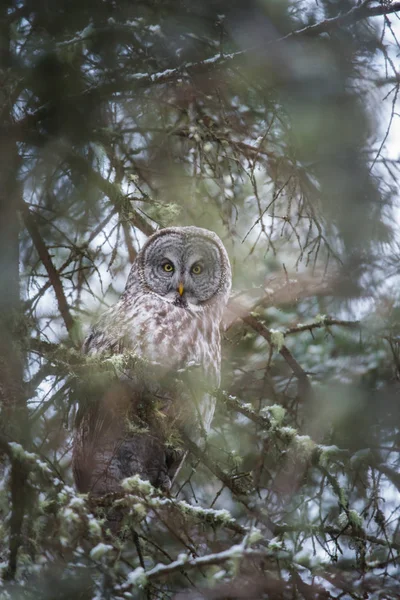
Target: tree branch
[(298, 371), (110, 189), (52, 272), (228, 481), (358, 13), (323, 322), (187, 70)]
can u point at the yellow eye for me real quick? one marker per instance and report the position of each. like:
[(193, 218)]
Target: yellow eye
[(196, 269), (168, 267)]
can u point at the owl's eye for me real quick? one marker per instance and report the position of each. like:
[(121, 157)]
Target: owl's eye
[(168, 267), (197, 269)]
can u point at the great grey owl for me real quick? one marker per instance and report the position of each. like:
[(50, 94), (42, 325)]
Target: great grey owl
[(169, 318)]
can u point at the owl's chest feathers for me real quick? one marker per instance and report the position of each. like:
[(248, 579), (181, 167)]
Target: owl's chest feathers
[(173, 336)]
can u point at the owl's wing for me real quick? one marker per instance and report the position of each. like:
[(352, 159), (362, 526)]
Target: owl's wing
[(116, 435), (181, 365), (114, 440), (107, 334)]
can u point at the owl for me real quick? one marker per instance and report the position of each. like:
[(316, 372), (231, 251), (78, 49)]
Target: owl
[(168, 321)]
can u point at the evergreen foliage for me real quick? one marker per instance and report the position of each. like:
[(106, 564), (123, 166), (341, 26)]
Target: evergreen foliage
[(272, 123)]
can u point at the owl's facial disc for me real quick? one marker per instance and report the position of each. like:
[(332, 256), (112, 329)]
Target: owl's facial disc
[(184, 270)]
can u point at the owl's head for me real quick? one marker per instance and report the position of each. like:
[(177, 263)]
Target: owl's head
[(188, 266)]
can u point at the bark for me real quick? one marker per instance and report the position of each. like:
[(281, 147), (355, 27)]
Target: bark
[(13, 423)]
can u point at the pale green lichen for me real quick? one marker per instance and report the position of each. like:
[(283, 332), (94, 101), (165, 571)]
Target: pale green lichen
[(62, 497), (210, 515), (44, 467), (131, 427), (170, 212), (137, 578), (70, 516), (276, 413), (99, 551), (342, 497), (136, 484), (117, 362), (254, 536), (355, 519), (154, 502), (44, 504), (288, 433), (328, 453), (277, 339), (275, 544), (342, 520), (320, 319), (78, 501), (139, 510), (221, 516), (304, 446), (94, 527), (20, 453)]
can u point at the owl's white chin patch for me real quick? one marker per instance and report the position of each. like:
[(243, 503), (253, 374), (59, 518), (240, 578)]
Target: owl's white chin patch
[(195, 307), (186, 302), (191, 301)]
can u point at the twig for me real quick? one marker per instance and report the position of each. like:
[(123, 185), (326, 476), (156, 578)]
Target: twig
[(227, 481), (110, 189), (298, 371), (52, 272), (325, 322), (235, 404)]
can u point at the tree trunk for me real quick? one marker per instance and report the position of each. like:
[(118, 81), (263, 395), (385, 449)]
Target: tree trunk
[(13, 422)]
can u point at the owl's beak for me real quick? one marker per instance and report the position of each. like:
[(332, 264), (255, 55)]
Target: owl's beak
[(180, 288)]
